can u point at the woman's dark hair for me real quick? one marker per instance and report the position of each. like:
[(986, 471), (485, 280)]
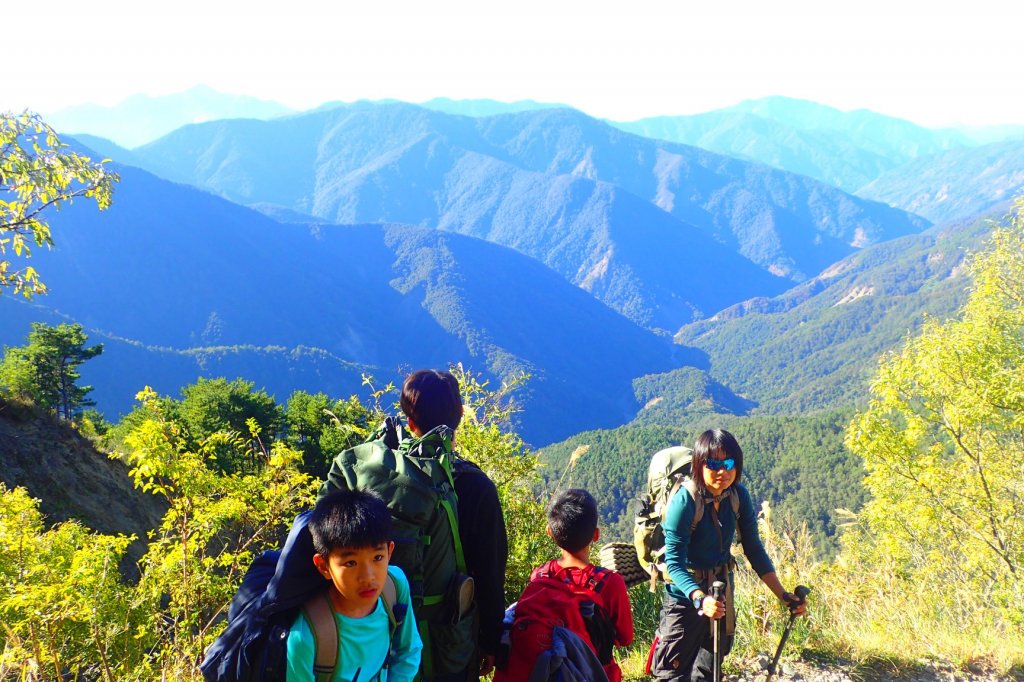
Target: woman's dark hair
[(572, 518), (430, 398), (353, 519), (717, 444)]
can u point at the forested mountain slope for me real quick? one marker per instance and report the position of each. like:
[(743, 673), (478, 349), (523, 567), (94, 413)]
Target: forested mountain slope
[(954, 184), (534, 180), (170, 266), (816, 346)]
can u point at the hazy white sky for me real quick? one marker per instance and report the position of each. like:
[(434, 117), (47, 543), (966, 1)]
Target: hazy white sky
[(933, 63)]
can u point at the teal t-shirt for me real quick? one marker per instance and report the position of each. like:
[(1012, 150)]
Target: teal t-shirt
[(363, 644)]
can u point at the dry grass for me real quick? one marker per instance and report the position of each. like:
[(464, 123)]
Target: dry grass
[(870, 620)]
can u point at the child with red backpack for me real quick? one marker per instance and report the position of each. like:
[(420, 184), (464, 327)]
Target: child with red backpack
[(571, 613)]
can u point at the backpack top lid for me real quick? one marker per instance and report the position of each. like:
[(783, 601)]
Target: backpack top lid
[(665, 465)]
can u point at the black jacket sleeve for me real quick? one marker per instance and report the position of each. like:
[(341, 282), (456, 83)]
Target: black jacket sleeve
[(485, 544)]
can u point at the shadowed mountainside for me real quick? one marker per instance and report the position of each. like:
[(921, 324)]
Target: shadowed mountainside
[(171, 267)]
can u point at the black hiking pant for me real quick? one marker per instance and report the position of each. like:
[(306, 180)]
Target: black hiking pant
[(685, 648)]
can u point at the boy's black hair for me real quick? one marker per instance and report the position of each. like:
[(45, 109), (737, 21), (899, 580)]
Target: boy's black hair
[(354, 519), (430, 398), (572, 517)]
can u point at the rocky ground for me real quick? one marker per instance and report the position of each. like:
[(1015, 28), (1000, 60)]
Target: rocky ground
[(755, 671)]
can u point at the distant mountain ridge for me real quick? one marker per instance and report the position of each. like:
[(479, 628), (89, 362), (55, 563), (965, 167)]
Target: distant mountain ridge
[(484, 107), (140, 118), (555, 184), (844, 149)]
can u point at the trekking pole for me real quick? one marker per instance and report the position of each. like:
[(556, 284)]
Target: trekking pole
[(800, 593), (717, 589)]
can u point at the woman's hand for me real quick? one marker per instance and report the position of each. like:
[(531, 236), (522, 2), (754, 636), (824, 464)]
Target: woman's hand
[(796, 606), (712, 608)]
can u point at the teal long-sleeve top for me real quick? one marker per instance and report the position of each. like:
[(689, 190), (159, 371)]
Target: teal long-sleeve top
[(701, 550)]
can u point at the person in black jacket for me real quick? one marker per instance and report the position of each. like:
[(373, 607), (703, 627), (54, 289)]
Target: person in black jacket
[(429, 399)]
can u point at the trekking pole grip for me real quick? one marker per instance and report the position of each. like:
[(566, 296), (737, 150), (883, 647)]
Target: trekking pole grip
[(717, 590)]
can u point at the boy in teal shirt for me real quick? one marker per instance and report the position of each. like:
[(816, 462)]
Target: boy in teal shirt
[(351, 532)]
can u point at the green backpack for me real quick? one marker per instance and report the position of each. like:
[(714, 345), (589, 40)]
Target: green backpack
[(414, 477), (668, 472)]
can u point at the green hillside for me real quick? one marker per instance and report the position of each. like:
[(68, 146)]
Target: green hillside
[(784, 376), (816, 345)]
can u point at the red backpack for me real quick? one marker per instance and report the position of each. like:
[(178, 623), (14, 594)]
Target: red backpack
[(553, 599)]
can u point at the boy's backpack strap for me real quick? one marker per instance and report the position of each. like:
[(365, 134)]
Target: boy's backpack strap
[(597, 578), (320, 614), (390, 594), (396, 614)]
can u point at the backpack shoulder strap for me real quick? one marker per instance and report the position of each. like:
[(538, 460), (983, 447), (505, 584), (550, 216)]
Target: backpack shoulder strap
[(598, 576), (389, 596), (698, 501), (324, 626), (734, 500), (548, 570)]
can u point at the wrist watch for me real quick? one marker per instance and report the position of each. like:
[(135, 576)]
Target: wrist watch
[(698, 599)]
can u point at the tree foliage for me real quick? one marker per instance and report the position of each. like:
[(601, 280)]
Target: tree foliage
[(321, 428), (45, 371), (67, 611), (216, 523), (943, 441), (64, 606), (485, 438), (39, 172)]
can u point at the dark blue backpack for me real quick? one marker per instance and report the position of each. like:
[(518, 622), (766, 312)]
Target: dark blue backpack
[(275, 589)]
